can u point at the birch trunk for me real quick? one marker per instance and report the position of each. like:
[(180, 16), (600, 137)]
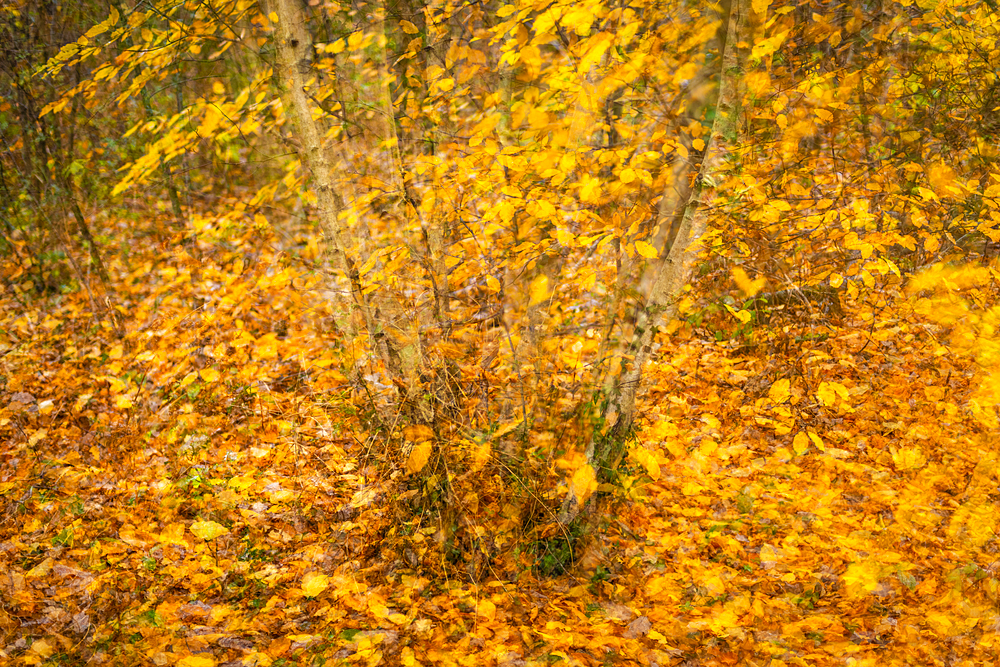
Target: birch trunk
[(671, 272), (293, 45), (407, 327)]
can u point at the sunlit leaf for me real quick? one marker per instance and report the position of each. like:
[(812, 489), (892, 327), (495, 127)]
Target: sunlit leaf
[(828, 392), (418, 432), (208, 530), (647, 460), (209, 374), (909, 458), (801, 443), (418, 457), (314, 583), (197, 661), (645, 249), (539, 289), (747, 286), (486, 609), (584, 483), (780, 390)]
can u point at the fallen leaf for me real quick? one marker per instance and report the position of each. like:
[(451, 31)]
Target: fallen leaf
[(208, 530)]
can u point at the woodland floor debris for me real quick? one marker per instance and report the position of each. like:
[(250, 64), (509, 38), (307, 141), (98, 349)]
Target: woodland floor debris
[(203, 492)]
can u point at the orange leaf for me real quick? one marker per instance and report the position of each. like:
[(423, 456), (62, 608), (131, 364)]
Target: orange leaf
[(584, 483), (418, 458)]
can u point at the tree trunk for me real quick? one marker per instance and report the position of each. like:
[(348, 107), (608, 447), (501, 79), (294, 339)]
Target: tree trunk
[(607, 444), (293, 45)]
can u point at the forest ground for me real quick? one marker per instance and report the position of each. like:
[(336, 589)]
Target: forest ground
[(204, 491)]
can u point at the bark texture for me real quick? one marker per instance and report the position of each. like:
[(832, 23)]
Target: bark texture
[(671, 272), (293, 48)]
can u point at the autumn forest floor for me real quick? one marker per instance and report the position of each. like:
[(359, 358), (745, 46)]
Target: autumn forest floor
[(205, 490)]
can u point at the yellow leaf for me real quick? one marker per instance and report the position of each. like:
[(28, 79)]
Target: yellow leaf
[(486, 609), (42, 648), (627, 176), (861, 578), (590, 189), (208, 530), (647, 460), (759, 84), (481, 456), (173, 534), (780, 391), (909, 458), (539, 290), (645, 249), (714, 585), (746, 285), (579, 20), (418, 432), (565, 238), (493, 284), (743, 316), (355, 39), (418, 457), (314, 583), (584, 483), (209, 374), (939, 175), (698, 144), (836, 280), (408, 28), (81, 402), (505, 429), (567, 162), (760, 6), (828, 392), (817, 441), (801, 443), (241, 482), (196, 661), (41, 570), (188, 379), (940, 623), (769, 556), (766, 47)]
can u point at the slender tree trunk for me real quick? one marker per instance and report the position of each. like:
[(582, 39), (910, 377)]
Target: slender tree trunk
[(671, 272), (409, 326), (294, 46)]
